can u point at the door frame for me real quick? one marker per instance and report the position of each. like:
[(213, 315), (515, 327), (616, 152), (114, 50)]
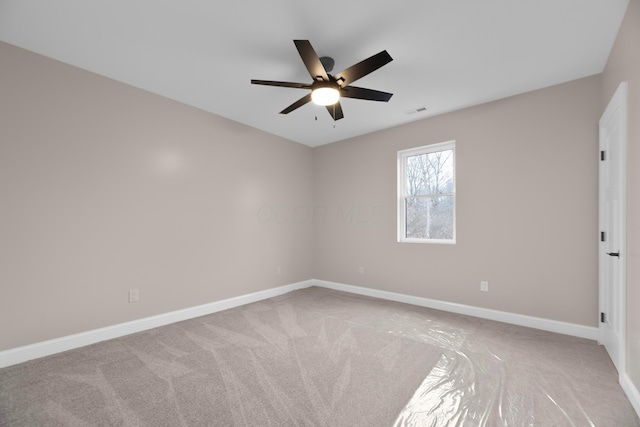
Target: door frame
[(609, 297)]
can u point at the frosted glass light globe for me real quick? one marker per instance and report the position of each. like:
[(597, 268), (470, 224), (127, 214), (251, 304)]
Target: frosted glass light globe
[(325, 96)]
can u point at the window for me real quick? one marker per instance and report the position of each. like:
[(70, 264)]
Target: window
[(427, 194)]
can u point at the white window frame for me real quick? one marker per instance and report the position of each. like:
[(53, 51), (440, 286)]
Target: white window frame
[(402, 189)]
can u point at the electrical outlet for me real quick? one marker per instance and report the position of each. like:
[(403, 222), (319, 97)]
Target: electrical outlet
[(133, 295), (278, 271), (361, 270), (484, 286)]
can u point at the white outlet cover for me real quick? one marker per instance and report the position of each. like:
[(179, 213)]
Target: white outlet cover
[(133, 295)]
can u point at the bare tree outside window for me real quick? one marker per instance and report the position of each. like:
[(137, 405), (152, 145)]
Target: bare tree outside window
[(428, 194)]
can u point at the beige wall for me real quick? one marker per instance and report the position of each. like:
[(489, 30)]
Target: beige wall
[(106, 188), (624, 65), (527, 206)]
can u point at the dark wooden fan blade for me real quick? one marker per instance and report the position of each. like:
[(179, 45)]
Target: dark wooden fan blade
[(363, 68), (363, 93), (281, 84), (336, 111), (299, 103), (311, 60)]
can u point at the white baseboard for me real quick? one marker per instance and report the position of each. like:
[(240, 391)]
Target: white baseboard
[(484, 313), (46, 348), (631, 390), (33, 351)]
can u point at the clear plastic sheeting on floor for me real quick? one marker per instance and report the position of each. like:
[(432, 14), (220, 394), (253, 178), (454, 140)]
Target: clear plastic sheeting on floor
[(512, 376)]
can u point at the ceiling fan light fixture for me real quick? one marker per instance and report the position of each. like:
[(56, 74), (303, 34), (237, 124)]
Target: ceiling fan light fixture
[(326, 90), (325, 95)]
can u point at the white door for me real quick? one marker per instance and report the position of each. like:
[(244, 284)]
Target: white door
[(612, 247)]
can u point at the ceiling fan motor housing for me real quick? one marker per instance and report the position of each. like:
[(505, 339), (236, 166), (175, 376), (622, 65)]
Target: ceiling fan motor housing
[(327, 63)]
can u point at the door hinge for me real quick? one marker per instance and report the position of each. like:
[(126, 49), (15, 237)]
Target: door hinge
[(602, 234), (602, 317), (602, 155)]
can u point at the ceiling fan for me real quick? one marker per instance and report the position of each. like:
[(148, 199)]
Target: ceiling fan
[(327, 89)]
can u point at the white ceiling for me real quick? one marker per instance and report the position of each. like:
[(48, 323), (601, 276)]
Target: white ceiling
[(448, 54)]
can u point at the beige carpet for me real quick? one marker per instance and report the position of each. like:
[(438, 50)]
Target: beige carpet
[(317, 357)]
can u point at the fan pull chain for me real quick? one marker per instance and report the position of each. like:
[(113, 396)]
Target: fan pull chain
[(334, 116)]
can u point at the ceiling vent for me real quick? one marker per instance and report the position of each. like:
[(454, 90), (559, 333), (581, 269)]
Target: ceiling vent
[(420, 109)]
